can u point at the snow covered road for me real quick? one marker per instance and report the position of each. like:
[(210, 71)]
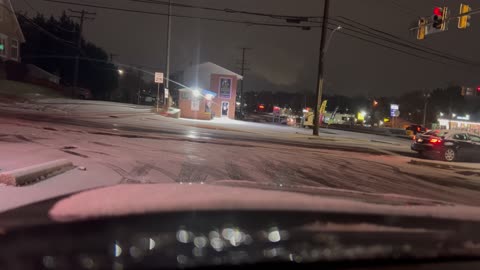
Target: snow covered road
[(118, 156)]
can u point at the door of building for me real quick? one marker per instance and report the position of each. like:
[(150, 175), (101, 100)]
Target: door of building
[(225, 108)]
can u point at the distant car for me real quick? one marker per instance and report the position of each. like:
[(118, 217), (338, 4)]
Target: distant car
[(415, 129), (80, 93), (451, 146)]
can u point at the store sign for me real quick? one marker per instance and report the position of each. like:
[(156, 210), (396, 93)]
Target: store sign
[(225, 88), (394, 110)]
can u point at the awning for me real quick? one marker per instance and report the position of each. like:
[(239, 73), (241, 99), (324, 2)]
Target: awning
[(203, 92)]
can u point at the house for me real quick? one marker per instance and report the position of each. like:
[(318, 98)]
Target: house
[(36, 73), (211, 92), (11, 35)]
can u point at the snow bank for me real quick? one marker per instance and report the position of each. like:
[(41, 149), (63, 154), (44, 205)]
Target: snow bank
[(23, 176)]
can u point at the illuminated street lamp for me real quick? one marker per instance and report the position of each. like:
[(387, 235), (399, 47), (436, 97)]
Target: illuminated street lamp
[(121, 72), (196, 93)]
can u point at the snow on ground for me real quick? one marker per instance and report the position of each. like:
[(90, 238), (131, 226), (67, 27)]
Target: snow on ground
[(153, 158), (120, 115), (73, 107)]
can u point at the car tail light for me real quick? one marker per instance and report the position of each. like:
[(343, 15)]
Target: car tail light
[(435, 141)]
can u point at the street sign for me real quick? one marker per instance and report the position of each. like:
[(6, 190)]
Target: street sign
[(158, 77), (394, 110), (166, 93)]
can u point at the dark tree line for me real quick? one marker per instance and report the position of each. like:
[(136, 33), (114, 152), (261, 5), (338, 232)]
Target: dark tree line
[(51, 45)]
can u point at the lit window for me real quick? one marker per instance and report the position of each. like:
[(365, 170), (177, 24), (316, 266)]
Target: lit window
[(3, 45)]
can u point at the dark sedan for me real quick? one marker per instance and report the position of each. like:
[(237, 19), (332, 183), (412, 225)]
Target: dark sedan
[(451, 146)]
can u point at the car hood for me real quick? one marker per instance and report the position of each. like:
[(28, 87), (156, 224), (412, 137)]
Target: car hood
[(228, 195), (122, 200)]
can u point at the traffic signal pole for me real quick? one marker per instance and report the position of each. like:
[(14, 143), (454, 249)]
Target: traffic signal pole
[(320, 81)]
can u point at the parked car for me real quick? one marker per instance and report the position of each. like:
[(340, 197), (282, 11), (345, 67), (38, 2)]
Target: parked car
[(451, 146)]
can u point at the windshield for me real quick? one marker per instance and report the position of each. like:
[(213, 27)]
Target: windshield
[(315, 99)]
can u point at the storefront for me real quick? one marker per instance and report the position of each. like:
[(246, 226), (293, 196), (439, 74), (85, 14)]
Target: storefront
[(212, 92), (197, 104), (468, 126)]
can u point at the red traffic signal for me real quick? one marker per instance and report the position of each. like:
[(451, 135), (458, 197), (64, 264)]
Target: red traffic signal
[(478, 89), (438, 11)]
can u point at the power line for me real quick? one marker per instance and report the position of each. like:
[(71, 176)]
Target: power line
[(41, 29), (305, 27), (30, 6), (414, 47), (38, 12), (402, 42), (228, 10), (249, 23), (82, 15), (404, 9)]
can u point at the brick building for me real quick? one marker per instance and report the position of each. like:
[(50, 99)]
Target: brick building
[(212, 92)]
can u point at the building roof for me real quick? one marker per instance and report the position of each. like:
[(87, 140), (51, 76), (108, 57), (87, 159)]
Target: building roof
[(211, 68), (8, 5), (204, 92)]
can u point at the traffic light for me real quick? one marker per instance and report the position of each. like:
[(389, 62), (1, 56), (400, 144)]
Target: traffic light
[(440, 18), (463, 21), (422, 27)]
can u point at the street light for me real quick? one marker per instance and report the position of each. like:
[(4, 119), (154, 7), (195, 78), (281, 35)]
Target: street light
[(196, 92), (121, 72), (331, 37)]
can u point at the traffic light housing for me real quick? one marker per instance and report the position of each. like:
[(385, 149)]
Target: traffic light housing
[(422, 29), (440, 18), (464, 21)]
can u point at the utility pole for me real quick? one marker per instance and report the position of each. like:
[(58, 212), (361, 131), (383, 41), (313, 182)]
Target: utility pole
[(426, 96), (318, 98), (242, 72), (82, 15), (167, 68)]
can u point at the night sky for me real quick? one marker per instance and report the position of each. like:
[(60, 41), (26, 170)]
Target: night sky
[(285, 59)]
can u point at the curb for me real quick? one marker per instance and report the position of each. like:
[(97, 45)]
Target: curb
[(31, 174), (441, 165)]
